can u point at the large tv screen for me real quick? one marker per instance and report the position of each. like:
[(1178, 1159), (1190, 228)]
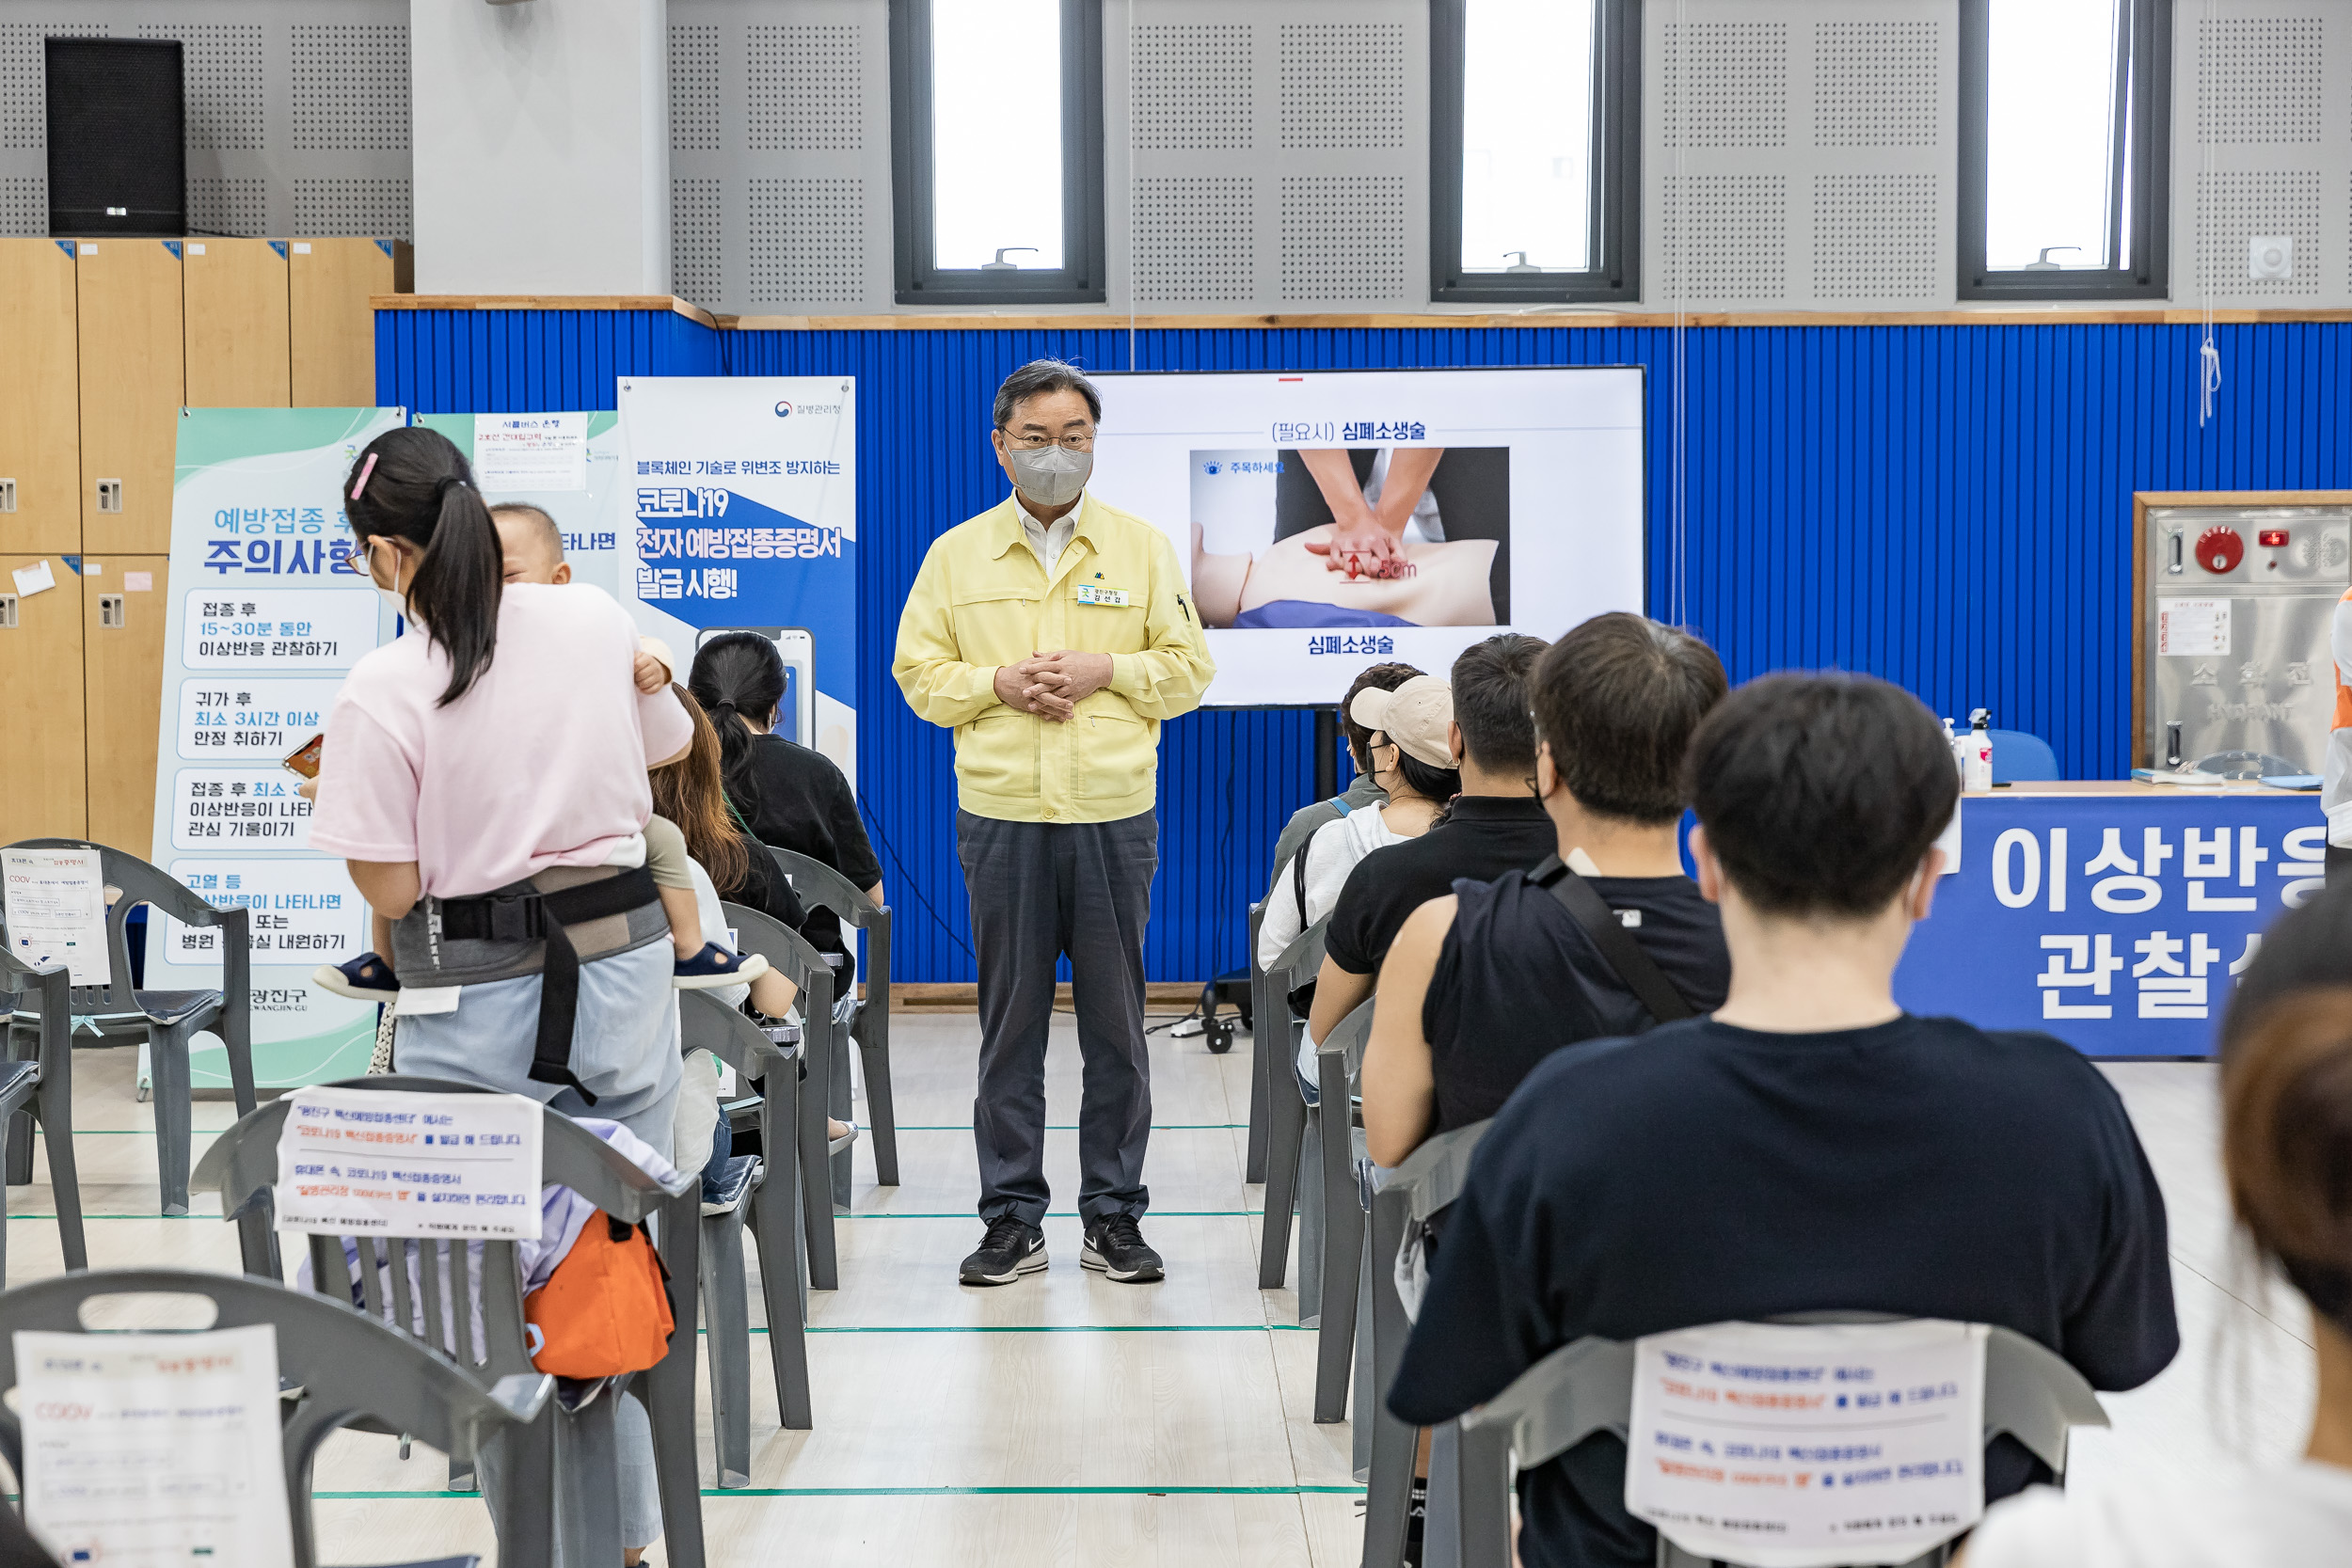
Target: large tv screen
[(1332, 520)]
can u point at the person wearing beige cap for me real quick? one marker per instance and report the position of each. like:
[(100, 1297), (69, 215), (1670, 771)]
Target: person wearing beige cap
[(1411, 763)]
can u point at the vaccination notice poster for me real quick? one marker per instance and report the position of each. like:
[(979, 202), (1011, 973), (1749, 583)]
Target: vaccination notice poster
[(1507, 499), (743, 495), (268, 610), (562, 462)]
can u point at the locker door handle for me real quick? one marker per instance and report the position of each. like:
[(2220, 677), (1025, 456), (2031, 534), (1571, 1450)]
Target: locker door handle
[(2172, 744), (2176, 554), (8, 612), (110, 610)]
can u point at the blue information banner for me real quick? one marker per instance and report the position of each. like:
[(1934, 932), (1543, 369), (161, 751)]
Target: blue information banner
[(2116, 922)]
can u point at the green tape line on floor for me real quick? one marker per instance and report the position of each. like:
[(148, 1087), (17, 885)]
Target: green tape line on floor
[(909, 1492)]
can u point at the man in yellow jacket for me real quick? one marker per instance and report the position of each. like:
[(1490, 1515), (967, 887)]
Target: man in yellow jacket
[(1053, 633)]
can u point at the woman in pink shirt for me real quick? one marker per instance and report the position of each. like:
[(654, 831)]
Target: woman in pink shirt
[(499, 748)]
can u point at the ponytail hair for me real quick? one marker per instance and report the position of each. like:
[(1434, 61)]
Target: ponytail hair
[(738, 676), (411, 483)]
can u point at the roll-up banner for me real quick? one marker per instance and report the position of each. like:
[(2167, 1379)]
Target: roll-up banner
[(742, 502), (269, 608)]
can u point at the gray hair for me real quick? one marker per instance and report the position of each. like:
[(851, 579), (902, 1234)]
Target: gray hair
[(1044, 375)]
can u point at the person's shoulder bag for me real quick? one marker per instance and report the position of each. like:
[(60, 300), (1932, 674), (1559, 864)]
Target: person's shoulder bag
[(1634, 966)]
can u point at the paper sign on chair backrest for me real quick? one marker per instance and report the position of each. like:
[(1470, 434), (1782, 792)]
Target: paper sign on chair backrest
[(1808, 1446), (393, 1163), (57, 912), (154, 1448)]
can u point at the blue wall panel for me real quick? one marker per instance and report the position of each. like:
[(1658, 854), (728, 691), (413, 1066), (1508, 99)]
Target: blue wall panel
[(1948, 507)]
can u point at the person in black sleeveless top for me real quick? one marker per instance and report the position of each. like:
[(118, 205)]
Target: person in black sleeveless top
[(1481, 985)]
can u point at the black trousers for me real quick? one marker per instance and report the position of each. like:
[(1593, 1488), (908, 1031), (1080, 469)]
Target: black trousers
[(1040, 890)]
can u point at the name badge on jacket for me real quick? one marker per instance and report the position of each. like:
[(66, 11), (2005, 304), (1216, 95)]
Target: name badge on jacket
[(1088, 594)]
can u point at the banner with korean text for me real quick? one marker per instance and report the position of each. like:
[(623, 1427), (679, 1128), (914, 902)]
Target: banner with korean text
[(268, 611), (564, 464), (2116, 922), (743, 491)]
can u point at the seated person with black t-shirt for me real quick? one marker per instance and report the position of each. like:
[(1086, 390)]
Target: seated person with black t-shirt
[(1614, 702), (1808, 1148), (1494, 826), (791, 797)]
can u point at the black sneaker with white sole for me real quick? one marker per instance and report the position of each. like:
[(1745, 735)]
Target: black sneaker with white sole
[(1011, 1248), (1114, 1245)]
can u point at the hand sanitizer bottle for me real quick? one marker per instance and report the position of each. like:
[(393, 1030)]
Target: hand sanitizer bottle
[(1960, 763), (1978, 750)]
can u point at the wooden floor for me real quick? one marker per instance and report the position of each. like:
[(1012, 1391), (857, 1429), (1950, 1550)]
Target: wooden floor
[(1066, 1419)]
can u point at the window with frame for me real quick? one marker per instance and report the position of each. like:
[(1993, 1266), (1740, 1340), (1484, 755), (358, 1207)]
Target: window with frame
[(2064, 150), (997, 151), (1535, 161)]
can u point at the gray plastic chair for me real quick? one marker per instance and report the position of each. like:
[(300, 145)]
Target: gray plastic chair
[(821, 885), (2030, 1394), (1339, 1062), (339, 1369), (792, 956), (1253, 1159), (571, 1448), (773, 1207), (165, 1020), (1407, 1199), (1290, 1120), (43, 1088)]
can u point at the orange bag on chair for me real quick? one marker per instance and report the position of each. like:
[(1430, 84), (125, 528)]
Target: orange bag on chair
[(606, 1310)]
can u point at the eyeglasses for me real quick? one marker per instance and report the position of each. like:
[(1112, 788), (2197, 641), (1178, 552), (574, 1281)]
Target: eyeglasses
[(1039, 443)]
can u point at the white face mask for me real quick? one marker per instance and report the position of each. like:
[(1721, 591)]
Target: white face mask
[(392, 595), (1051, 476)]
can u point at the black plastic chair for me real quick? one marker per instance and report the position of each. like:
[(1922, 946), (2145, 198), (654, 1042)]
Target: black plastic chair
[(115, 1013), (820, 886), (1339, 1063), (42, 1090), (570, 1448), (337, 1368), (792, 955), (1262, 1030)]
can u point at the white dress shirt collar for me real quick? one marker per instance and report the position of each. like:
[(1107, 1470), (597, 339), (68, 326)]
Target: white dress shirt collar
[(1047, 540)]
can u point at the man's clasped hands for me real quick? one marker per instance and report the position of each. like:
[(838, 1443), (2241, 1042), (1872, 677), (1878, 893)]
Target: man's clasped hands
[(1052, 685)]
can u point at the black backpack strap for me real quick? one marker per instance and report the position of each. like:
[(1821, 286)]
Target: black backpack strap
[(1636, 968)]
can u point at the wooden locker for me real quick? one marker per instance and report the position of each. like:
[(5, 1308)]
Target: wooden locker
[(133, 370), (41, 417), (236, 299), (122, 638), (40, 693), (334, 330)]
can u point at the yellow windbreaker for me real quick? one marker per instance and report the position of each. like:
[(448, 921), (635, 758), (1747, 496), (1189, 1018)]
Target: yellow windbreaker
[(982, 601)]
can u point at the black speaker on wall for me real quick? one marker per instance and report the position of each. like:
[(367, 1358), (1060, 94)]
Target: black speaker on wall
[(117, 162)]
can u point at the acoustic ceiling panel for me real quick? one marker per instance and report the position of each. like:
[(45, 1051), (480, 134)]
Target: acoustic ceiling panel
[(23, 83), (221, 66), (697, 239), (807, 85), (807, 241), (1196, 240), (2259, 79), (1875, 237), (693, 88), (1737, 225), (1343, 84), (1729, 87), (1343, 238), (1876, 83), (1193, 89)]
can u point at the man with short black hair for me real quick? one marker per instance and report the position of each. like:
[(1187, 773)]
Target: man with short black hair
[(1808, 1148), (1614, 704), (1493, 826), (1054, 633)]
